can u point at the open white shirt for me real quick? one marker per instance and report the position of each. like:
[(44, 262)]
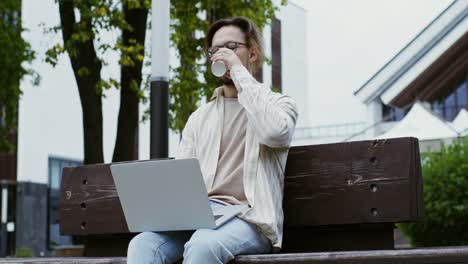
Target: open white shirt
[(271, 119)]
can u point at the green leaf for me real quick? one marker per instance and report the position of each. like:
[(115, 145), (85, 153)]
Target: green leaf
[(445, 184), (15, 54)]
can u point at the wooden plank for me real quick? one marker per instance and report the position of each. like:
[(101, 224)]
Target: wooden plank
[(417, 200), (354, 182), (114, 260), (449, 255), (89, 202)]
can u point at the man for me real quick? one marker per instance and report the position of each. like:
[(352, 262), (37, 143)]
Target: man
[(241, 139)]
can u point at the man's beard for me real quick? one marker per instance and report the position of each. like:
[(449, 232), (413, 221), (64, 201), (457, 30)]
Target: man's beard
[(227, 81)]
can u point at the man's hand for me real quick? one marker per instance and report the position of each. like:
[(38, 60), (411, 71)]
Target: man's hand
[(228, 56)]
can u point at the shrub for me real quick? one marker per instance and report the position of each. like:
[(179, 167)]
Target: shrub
[(445, 183), (24, 252)]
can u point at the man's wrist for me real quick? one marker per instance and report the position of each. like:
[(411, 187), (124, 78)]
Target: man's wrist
[(236, 63), (237, 67), (241, 77)]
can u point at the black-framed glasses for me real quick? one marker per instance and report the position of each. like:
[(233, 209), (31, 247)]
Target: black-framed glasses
[(232, 45)]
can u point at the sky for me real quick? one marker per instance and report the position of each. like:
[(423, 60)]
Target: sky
[(349, 41)]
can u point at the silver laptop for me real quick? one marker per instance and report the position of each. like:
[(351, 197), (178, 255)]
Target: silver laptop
[(167, 195)]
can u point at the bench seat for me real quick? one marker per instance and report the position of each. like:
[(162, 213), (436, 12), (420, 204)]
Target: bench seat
[(445, 255)]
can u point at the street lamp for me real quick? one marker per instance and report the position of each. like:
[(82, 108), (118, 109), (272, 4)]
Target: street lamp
[(159, 97)]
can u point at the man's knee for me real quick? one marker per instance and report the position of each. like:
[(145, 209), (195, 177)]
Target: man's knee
[(145, 248), (205, 245), (141, 241), (201, 241)]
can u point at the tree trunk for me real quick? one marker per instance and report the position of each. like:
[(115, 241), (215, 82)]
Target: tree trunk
[(126, 144), (90, 96)]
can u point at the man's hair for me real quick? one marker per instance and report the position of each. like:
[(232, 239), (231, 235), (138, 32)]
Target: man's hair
[(253, 36)]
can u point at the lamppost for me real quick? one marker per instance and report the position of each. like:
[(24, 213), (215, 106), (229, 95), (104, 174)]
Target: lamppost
[(159, 97)]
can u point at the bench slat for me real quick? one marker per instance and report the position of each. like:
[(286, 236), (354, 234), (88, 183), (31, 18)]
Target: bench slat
[(355, 182), (89, 202), (448, 255)]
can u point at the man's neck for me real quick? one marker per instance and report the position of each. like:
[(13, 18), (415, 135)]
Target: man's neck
[(229, 91)]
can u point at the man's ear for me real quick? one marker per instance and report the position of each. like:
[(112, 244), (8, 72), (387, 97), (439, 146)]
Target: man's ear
[(253, 55)]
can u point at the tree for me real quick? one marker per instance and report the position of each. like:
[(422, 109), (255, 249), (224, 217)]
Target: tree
[(189, 27), (82, 42), (14, 52)]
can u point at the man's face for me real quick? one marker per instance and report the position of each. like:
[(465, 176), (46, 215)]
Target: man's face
[(232, 33)]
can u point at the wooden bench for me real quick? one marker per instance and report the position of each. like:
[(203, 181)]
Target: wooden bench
[(343, 196), (451, 255)]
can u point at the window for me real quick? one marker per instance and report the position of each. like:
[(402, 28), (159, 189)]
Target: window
[(15, 19), (55, 176), (393, 113), (10, 16), (449, 106), (462, 95), (276, 55)]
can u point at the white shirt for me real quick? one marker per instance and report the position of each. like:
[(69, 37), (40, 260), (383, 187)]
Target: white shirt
[(270, 127)]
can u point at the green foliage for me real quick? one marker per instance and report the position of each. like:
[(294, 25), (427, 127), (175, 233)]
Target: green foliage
[(190, 20), (445, 177), (97, 17), (14, 52), (189, 26), (24, 252)]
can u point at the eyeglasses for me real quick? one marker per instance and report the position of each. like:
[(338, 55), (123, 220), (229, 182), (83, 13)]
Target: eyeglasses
[(232, 45)]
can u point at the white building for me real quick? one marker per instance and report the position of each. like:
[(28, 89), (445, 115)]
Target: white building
[(432, 69)]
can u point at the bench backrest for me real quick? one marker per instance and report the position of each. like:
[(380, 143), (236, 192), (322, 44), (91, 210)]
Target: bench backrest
[(338, 193)]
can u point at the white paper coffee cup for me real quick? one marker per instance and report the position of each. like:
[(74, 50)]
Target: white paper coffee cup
[(218, 68)]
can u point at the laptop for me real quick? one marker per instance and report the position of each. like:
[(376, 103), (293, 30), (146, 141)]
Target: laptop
[(167, 195)]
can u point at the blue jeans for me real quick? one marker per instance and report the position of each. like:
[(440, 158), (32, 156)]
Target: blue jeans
[(236, 237)]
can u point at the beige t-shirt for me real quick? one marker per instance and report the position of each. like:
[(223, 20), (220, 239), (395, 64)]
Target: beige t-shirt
[(228, 184)]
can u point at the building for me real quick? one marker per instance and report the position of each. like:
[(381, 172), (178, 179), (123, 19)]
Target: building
[(431, 69)]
